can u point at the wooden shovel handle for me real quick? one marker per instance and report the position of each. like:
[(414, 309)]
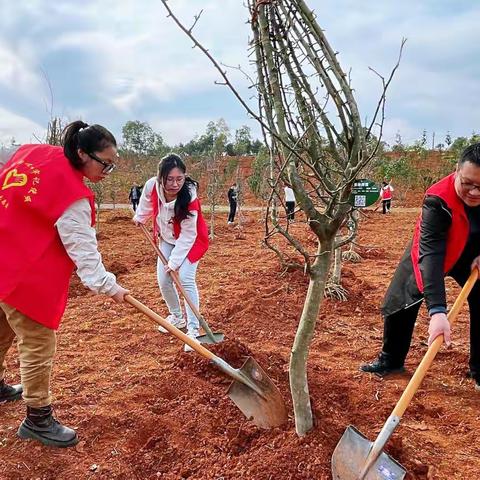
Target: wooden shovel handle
[(427, 360), (198, 347), (173, 274)]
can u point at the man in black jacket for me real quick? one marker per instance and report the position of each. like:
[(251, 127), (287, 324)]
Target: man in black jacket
[(134, 196), (446, 243), (232, 195)]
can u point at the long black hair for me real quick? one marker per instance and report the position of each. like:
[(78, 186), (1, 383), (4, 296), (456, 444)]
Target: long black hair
[(89, 138), (184, 197)]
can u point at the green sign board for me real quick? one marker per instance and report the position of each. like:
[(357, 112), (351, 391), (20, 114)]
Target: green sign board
[(364, 193)]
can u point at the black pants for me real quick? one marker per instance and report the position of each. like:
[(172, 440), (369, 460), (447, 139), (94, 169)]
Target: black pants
[(134, 205), (398, 328), (233, 211), (386, 205), (290, 206)]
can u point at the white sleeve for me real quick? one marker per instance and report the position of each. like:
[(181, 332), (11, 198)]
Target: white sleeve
[(145, 209), (185, 241), (80, 242)]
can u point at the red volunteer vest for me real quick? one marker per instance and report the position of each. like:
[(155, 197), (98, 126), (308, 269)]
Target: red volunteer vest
[(200, 245), (386, 193), (457, 234), (37, 185)]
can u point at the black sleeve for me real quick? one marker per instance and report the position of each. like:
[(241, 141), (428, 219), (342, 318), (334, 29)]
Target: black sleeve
[(435, 224)]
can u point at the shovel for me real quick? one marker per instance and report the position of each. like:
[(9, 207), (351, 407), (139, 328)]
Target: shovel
[(252, 391), (355, 458), (210, 337)]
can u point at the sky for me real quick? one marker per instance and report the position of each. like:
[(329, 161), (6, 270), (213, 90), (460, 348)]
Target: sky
[(114, 61)]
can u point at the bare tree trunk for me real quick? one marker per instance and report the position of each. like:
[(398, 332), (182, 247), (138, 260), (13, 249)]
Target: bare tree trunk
[(212, 221), (306, 328), (336, 276)]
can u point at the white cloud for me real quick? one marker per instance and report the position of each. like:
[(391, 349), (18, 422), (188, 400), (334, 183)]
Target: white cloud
[(176, 130), (132, 57), (22, 129)]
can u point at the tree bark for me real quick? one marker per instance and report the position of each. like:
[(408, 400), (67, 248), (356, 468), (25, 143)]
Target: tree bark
[(298, 359)]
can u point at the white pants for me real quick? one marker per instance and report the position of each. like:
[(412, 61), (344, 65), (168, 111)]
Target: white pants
[(187, 273)]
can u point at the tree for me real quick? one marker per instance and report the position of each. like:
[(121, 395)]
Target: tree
[(318, 146), (448, 139), (54, 131), (256, 146), (243, 140), (258, 180), (139, 138), (218, 134)]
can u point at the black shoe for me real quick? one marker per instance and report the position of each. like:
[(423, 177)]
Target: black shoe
[(475, 377), (10, 393), (381, 366), (41, 425)]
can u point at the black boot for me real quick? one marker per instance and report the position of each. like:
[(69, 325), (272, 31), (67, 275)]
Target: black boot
[(10, 393), (42, 426), (382, 366)]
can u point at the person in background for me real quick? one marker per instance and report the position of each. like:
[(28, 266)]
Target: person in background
[(171, 200), (289, 203), (232, 195), (386, 196), (446, 242), (134, 196), (49, 211)]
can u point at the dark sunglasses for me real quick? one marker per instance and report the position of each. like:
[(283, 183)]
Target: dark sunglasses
[(107, 167)]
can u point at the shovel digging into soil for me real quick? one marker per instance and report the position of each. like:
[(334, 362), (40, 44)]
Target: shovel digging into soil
[(252, 391), (355, 458), (209, 336)]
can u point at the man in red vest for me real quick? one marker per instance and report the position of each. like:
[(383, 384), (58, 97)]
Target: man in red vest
[(46, 229), (446, 242)]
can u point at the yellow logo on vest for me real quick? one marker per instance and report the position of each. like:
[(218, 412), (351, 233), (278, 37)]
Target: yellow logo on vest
[(14, 179)]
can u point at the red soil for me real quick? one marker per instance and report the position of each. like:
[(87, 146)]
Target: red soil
[(144, 409)]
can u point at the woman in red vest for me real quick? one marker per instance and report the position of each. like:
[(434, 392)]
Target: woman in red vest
[(48, 212), (171, 199), (446, 242), (386, 196)]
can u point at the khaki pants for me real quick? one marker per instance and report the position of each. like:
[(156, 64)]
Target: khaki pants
[(36, 348)]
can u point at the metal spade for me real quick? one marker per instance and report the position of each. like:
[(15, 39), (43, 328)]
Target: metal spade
[(355, 457), (252, 391)]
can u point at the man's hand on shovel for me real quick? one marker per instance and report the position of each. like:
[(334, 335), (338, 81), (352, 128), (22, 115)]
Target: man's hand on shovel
[(439, 325)]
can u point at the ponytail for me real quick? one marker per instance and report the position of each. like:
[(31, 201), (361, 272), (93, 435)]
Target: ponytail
[(89, 138)]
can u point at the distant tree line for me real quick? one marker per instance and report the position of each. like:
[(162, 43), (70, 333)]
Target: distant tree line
[(140, 138)]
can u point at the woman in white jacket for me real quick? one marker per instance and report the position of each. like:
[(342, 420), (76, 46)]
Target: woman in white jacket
[(171, 199)]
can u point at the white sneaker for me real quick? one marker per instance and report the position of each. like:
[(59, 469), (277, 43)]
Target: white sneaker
[(175, 321), (193, 335)]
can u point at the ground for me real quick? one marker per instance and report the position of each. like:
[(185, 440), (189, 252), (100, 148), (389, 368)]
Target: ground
[(144, 409)]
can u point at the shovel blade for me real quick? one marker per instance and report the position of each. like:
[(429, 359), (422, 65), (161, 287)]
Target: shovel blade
[(350, 457), (265, 406), (217, 338)]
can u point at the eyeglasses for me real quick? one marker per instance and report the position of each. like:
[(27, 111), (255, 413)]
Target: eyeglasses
[(107, 167), (469, 187), (177, 180)]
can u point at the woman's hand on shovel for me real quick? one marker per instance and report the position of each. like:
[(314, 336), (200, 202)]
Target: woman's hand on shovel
[(439, 325), (119, 296)]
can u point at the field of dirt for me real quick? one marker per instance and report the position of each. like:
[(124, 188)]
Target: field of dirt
[(144, 409)]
